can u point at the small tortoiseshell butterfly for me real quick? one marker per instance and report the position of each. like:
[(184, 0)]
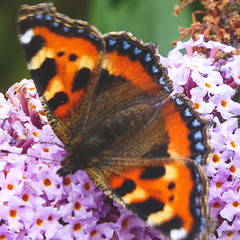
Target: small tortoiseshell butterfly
[(111, 103)]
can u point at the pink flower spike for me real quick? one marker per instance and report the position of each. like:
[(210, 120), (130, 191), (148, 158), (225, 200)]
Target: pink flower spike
[(37, 204)]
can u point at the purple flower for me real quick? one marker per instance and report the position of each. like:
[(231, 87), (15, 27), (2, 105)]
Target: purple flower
[(36, 203)]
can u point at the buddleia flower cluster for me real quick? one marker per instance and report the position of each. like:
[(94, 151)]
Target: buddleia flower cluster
[(35, 203)]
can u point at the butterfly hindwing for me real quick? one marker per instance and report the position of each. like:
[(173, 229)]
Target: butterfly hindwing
[(169, 194)]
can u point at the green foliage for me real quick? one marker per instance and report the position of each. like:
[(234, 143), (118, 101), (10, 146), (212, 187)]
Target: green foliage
[(151, 20)]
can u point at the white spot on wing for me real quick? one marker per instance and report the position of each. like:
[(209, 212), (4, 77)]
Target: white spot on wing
[(178, 234), (86, 61), (26, 37), (54, 86), (160, 217), (139, 194), (40, 57), (171, 173)]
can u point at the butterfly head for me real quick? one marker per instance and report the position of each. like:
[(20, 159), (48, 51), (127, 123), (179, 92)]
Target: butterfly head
[(83, 152)]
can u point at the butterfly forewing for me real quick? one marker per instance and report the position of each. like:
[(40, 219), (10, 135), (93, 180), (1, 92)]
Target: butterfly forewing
[(130, 76), (64, 57)]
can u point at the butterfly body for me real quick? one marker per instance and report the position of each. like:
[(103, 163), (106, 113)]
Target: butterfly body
[(111, 103)]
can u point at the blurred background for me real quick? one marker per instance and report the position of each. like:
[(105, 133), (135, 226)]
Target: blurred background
[(150, 20)]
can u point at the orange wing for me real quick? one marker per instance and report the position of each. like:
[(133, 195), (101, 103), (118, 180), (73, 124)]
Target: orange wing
[(168, 194), (64, 58), (147, 166), (110, 101)]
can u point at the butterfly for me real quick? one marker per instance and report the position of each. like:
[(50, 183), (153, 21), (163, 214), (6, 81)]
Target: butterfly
[(111, 103)]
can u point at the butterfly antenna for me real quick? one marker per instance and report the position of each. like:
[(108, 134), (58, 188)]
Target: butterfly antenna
[(42, 158), (28, 155), (53, 143)]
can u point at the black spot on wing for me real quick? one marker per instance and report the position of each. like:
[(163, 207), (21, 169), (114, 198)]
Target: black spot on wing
[(175, 223), (171, 185), (33, 47), (171, 198), (60, 54), (153, 172), (147, 207), (24, 26), (81, 79), (127, 187), (158, 151), (73, 57), (44, 74), (59, 98), (106, 81)]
